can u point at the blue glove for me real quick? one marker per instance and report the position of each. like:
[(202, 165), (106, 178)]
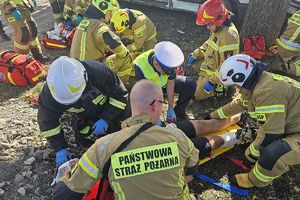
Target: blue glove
[(191, 60), (68, 23), (61, 157), (34, 3), (171, 116), (79, 18), (159, 123), (17, 15), (100, 127), (208, 87)]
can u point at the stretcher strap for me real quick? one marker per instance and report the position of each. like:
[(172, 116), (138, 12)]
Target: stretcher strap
[(232, 189)]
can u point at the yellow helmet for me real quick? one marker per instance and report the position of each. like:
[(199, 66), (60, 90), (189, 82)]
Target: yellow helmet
[(120, 20), (106, 5)]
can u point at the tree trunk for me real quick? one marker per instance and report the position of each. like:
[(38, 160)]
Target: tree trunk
[(264, 17)]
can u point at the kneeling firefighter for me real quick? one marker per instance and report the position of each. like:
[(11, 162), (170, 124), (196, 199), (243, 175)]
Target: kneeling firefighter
[(87, 88), (222, 43)]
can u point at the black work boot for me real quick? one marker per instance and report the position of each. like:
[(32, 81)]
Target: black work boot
[(4, 36), (36, 54)]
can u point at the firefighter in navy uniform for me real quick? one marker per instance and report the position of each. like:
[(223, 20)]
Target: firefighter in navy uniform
[(87, 88), (222, 43), (274, 102), (93, 40), (165, 179), (159, 65)]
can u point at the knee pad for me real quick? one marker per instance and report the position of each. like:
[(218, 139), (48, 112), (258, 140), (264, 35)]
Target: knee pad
[(25, 35), (270, 154), (34, 31)]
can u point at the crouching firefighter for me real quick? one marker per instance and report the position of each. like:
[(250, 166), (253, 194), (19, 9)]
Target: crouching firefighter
[(19, 18), (93, 40), (274, 101), (87, 88), (222, 43)]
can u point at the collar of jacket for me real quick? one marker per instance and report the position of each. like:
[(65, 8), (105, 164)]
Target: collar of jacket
[(255, 75), (138, 119), (93, 13)]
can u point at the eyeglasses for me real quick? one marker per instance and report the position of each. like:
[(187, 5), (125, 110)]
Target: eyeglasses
[(160, 101)]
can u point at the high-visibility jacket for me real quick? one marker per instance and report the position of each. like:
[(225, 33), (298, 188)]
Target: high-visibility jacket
[(141, 29), (217, 49), (288, 44), (7, 5), (274, 104), (93, 40), (152, 166), (142, 61), (104, 97)]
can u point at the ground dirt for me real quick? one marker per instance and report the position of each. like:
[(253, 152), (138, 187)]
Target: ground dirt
[(27, 161)]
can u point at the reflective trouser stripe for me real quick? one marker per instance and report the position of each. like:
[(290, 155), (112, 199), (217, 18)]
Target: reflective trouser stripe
[(82, 47), (276, 108), (21, 46), (88, 167), (260, 176), (125, 72), (76, 110), (288, 45), (117, 103), (118, 190), (51, 132), (254, 151), (221, 113)]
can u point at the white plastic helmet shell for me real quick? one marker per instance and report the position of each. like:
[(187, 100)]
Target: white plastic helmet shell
[(236, 70), (66, 80), (168, 54)]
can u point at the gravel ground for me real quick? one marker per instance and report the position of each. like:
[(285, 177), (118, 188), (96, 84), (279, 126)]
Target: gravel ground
[(27, 162)]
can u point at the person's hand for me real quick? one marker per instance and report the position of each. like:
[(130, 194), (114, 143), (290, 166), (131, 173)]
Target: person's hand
[(159, 122), (17, 15), (171, 116), (100, 127), (34, 3), (191, 60), (235, 119), (208, 87), (61, 157), (68, 23), (79, 18)]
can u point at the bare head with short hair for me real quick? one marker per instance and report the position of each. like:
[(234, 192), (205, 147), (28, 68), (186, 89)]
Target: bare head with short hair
[(145, 98)]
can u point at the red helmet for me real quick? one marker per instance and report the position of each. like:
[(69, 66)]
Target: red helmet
[(212, 11)]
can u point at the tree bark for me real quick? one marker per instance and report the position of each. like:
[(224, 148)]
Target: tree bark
[(264, 17)]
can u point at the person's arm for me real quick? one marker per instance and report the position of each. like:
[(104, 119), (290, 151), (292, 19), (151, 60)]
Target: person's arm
[(49, 112), (204, 127), (114, 89), (171, 92), (139, 35)]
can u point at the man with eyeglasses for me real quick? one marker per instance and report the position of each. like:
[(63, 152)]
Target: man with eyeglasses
[(159, 65)]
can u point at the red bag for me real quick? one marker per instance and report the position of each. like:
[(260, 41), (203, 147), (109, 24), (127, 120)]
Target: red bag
[(53, 44), (106, 193), (19, 69), (255, 46)]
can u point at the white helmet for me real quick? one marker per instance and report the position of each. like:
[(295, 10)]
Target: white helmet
[(66, 80), (236, 69)]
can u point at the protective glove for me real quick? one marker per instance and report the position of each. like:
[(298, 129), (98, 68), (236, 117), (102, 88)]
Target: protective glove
[(159, 123), (191, 60), (208, 87), (34, 3), (68, 22), (100, 127), (61, 157), (171, 116), (17, 15), (79, 18), (220, 90)]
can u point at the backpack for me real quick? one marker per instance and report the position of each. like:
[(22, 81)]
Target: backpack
[(20, 69), (255, 47)]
